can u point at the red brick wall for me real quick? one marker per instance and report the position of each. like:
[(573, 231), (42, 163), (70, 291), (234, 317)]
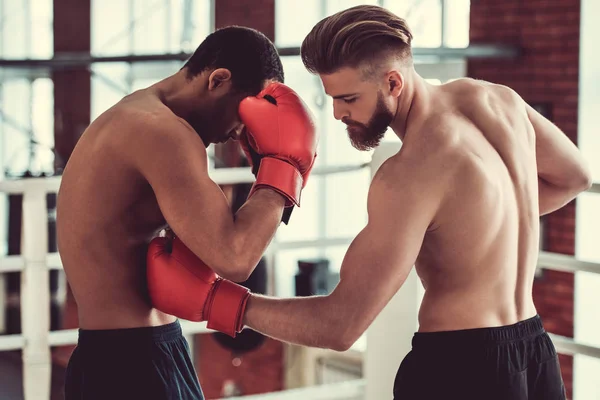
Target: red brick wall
[(257, 14), (261, 370), (546, 73)]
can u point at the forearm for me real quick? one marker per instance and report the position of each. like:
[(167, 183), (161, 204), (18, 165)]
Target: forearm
[(307, 321), (552, 197), (255, 224)]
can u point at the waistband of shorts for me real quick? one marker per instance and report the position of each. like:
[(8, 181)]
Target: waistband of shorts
[(522, 330), (127, 336)]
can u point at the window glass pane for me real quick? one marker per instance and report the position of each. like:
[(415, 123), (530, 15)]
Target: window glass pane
[(110, 28), (153, 71), (42, 124), (16, 151), (585, 377), (307, 85), (16, 125), (109, 85), (27, 126), (334, 6), (149, 26), (26, 29), (294, 19), (424, 19), (303, 223), (143, 83), (14, 30), (201, 22), (587, 323), (42, 35), (589, 104), (347, 202), (456, 27)]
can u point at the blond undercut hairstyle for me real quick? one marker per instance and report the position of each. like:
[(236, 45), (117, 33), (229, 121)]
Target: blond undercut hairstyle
[(359, 37)]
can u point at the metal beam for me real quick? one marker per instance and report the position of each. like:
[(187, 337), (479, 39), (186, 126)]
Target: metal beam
[(566, 345), (566, 263), (473, 51), (594, 189), (70, 60)]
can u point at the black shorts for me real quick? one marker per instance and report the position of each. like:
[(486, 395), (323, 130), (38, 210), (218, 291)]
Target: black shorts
[(514, 362), (135, 363)]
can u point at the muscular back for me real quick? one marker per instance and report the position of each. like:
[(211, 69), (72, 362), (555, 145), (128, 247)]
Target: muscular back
[(106, 215), (478, 259)]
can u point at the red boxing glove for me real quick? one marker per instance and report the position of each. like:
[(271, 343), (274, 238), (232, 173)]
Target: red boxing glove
[(181, 284), (281, 136)]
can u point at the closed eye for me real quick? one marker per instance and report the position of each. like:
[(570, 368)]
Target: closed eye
[(350, 101)]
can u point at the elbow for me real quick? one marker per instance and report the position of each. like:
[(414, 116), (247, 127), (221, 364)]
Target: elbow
[(583, 180), (586, 180), (342, 326), (341, 345), (238, 268), (345, 334), (344, 341), (574, 182)]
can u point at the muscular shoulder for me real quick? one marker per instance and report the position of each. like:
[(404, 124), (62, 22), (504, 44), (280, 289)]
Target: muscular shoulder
[(404, 192), (479, 94), (147, 133), (409, 172), (151, 125)]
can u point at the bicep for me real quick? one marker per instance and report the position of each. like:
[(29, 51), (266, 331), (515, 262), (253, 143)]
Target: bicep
[(374, 269), (175, 166), (380, 258)]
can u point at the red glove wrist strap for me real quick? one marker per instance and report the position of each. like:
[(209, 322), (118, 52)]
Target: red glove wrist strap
[(227, 307), (282, 177)]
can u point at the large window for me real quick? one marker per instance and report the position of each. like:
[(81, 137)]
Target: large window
[(141, 27), (434, 23), (149, 26), (26, 100)]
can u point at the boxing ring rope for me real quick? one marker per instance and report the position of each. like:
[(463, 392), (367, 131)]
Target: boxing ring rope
[(388, 338)]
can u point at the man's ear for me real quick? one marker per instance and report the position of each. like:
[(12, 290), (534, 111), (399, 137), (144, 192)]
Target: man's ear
[(218, 78), (395, 82)]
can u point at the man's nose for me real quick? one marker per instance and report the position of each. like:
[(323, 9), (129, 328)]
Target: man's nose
[(339, 111)]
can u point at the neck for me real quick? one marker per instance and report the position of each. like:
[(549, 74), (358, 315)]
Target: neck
[(175, 92), (413, 96)]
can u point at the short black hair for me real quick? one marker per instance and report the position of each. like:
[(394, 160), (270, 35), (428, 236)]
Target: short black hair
[(250, 56)]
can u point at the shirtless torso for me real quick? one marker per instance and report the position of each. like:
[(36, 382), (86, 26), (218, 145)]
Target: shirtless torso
[(478, 258), (107, 213)]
